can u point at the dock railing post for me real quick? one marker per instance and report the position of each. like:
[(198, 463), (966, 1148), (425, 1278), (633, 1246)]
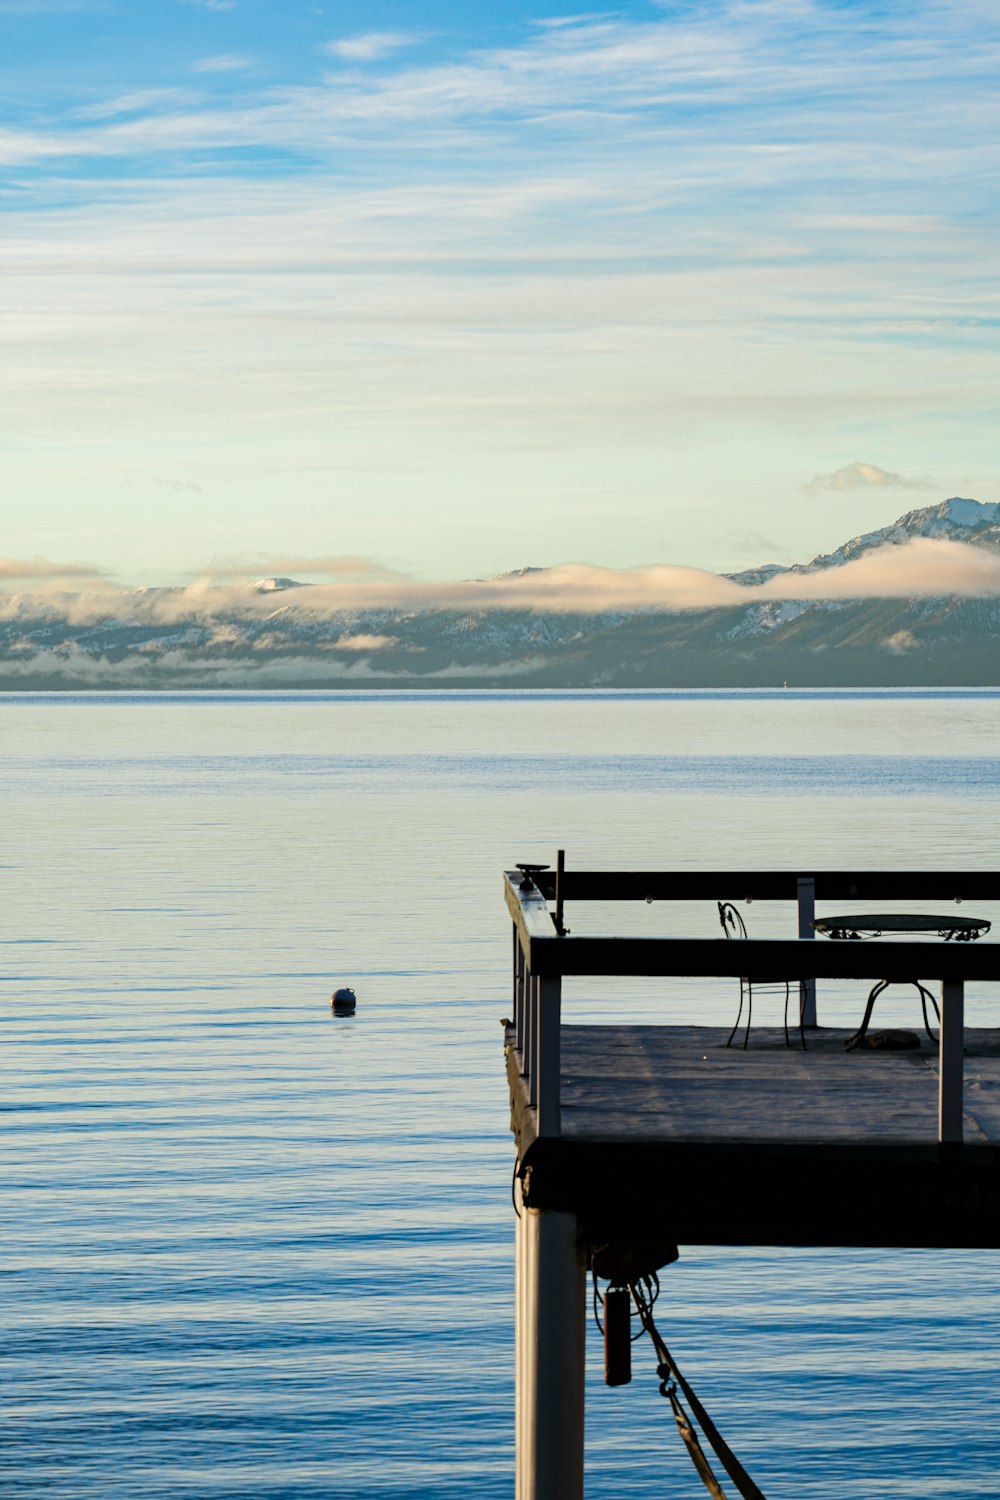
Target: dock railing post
[(951, 1046), (530, 1065), (548, 1064), (807, 912), (550, 1302), (519, 998)]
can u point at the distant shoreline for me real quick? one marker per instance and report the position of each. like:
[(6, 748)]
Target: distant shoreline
[(505, 689)]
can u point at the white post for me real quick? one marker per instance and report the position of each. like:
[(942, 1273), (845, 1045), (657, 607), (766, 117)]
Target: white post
[(951, 1065), (549, 1345), (807, 911), (522, 1393)]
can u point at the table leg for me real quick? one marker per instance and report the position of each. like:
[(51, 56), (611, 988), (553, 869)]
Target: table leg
[(926, 995), (856, 1039)]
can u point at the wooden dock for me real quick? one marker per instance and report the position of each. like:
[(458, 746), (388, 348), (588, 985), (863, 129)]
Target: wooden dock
[(633, 1135), (667, 1134)]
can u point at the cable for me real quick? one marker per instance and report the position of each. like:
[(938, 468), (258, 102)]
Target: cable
[(670, 1379)]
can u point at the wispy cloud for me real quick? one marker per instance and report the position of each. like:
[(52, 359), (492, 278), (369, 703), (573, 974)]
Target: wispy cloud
[(223, 62), (179, 486), (34, 568), (343, 566), (584, 18), (138, 101), (370, 46), (569, 275), (862, 476)]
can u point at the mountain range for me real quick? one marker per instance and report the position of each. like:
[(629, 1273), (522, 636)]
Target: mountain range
[(269, 634)]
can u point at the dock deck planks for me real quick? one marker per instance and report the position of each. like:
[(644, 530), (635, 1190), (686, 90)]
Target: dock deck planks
[(666, 1132)]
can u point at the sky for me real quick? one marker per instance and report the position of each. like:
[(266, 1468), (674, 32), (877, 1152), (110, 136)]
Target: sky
[(445, 290)]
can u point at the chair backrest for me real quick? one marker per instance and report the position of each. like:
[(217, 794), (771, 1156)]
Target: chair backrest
[(732, 922)]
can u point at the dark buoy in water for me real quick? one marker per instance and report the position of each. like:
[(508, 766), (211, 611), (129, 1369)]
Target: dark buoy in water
[(344, 1002)]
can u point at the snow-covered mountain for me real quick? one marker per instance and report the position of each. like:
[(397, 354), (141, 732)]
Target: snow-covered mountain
[(277, 632), (954, 520)]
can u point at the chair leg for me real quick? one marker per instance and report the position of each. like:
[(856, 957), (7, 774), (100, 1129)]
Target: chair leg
[(802, 1006), (788, 990), (738, 1015)]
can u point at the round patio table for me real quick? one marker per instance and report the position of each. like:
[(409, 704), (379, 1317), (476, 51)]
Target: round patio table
[(951, 928)]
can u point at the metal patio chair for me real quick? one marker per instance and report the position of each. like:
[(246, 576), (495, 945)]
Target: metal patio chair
[(734, 926)]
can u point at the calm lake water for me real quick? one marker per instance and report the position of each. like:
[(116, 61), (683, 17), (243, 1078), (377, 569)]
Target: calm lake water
[(249, 1250)]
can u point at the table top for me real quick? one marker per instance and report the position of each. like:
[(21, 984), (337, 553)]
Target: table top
[(882, 924)]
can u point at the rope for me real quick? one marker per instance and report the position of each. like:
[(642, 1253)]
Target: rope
[(650, 1283), (670, 1379), (690, 1437)]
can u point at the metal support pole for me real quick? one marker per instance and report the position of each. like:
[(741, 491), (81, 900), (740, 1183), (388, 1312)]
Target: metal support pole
[(549, 1054), (951, 1063), (807, 912), (549, 1342)]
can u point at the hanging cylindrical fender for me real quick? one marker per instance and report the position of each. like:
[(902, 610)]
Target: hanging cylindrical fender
[(617, 1336)]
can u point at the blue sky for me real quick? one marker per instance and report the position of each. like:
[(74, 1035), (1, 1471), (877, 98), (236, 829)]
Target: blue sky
[(462, 288)]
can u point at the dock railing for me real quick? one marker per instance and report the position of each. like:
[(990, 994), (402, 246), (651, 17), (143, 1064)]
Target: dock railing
[(545, 951)]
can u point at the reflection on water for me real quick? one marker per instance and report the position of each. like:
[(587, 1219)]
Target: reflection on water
[(252, 1249)]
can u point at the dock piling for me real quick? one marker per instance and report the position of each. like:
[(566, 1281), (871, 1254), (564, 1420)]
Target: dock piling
[(549, 1340)]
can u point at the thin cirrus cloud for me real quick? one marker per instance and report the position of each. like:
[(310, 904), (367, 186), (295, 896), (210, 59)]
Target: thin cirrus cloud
[(179, 486), (347, 566), (614, 73), (35, 569), (223, 62), (371, 46), (617, 74), (601, 244), (861, 476), (138, 101)]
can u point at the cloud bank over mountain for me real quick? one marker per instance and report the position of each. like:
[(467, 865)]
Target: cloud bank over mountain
[(919, 568), (931, 577)]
